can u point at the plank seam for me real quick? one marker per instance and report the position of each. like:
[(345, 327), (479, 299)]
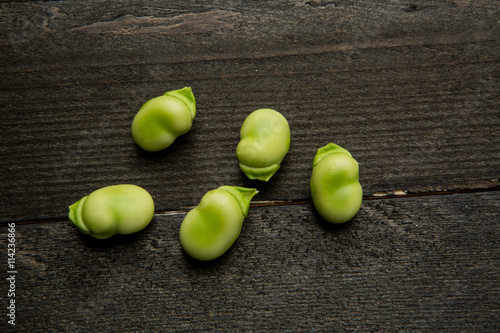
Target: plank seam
[(280, 203)]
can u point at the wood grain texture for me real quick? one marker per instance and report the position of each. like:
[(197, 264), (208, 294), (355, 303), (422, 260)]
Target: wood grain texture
[(406, 264), (410, 89)]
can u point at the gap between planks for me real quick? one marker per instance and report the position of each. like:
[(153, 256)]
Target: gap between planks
[(277, 203)]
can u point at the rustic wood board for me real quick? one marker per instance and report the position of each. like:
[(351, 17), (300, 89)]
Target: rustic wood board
[(410, 89), (403, 264)]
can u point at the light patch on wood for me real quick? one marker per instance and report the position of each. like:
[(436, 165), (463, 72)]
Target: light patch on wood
[(400, 192), (180, 24), (390, 193)]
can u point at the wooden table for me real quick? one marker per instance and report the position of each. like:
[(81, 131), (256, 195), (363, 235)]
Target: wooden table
[(410, 88)]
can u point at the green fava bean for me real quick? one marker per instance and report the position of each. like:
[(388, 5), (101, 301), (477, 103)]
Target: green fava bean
[(211, 228), (264, 142), (162, 119), (116, 209), (335, 187)]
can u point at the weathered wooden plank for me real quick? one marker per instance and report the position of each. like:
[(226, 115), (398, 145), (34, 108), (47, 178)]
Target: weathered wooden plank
[(413, 94), (407, 264)]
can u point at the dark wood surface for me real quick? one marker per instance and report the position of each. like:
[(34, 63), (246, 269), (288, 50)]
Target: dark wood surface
[(410, 88)]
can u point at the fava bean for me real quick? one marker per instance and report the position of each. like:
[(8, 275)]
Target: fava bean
[(212, 227), (116, 209), (335, 187), (264, 142), (162, 119)]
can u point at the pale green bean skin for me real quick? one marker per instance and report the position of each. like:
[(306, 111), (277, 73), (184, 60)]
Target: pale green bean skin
[(211, 228), (335, 187), (116, 209), (162, 119), (264, 143)]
